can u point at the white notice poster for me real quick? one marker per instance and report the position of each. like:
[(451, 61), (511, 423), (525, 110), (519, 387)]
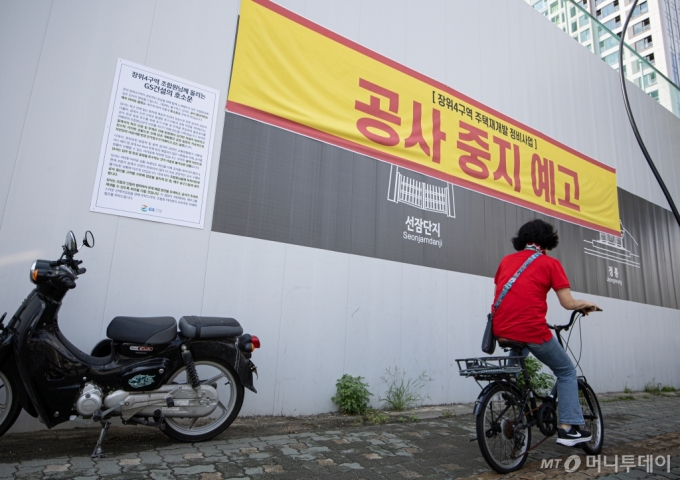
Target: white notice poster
[(155, 157)]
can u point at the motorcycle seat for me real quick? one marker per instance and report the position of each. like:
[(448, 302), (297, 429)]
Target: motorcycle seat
[(142, 330), (209, 327)]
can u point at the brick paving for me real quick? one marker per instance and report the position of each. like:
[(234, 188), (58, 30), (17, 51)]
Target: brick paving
[(432, 443)]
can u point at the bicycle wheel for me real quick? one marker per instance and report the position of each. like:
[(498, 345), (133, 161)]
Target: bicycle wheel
[(593, 417), (502, 431)]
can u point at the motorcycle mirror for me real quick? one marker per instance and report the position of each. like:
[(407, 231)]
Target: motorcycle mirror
[(71, 245), (88, 239)]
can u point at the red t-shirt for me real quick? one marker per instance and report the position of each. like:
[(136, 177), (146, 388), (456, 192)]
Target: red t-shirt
[(521, 315)]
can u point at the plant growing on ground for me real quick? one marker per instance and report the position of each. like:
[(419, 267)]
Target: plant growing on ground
[(657, 388), (542, 382), (627, 390), (351, 395), (403, 393), (375, 417), (447, 414)]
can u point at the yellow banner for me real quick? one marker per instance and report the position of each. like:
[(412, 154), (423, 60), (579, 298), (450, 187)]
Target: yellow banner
[(295, 74)]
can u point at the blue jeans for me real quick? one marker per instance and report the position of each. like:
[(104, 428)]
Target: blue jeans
[(556, 359)]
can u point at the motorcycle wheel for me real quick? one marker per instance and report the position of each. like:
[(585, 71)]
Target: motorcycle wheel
[(9, 401), (221, 375)]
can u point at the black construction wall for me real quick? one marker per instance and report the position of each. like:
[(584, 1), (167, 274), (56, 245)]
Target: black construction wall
[(280, 186)]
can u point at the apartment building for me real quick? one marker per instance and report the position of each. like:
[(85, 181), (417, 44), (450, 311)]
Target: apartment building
[(653, 35)]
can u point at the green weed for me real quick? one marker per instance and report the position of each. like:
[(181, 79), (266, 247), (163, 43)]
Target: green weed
[(351, 395), (403, 393), (375, 417)]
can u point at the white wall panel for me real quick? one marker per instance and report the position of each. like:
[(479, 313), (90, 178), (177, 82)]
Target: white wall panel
[(338, 17), (424, 341), (546, 83), (374, 321), (312, 339), (425, 34), (468, 299), (524, 64), (244, 280), (463, 59), (383, 27), (24, 24), (494, 26), (157, 269)]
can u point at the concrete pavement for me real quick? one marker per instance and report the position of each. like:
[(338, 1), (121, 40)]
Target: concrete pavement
[(431, 442)]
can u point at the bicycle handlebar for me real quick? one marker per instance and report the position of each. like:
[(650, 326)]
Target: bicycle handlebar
[(572, 319)]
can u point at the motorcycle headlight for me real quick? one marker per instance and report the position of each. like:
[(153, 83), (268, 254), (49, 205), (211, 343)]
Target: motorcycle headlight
[(38, 270), (34, 272)]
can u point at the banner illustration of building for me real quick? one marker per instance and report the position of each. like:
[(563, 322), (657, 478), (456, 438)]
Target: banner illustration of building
[(423, 195)]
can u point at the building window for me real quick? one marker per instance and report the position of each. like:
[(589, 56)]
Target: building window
[(608, 9), (611, 59), (640, 27), (583, 20), (585, 35), (553, 8), (649, 79), (650, 58), (609, 42), (640, 9), (643, 44), (613, 23), (574, 27), (635, 66), (572, 12), (654, 95)]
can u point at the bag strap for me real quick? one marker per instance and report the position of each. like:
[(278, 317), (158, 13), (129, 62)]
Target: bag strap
[(511, 282)]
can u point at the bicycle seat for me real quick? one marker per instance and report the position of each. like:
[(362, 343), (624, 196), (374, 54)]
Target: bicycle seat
[(507, 343)]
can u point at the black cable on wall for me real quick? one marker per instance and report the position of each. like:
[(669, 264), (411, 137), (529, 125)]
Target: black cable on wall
[(666, 193)]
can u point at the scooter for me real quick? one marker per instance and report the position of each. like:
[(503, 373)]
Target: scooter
[(188, 383)]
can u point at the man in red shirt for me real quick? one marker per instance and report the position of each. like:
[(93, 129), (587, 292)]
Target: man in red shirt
[(522, 317)]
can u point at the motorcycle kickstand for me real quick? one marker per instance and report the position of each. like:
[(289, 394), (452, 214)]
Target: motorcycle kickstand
[(98, 452)]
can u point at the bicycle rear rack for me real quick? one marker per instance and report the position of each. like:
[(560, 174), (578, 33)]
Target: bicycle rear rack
[(489, 368)]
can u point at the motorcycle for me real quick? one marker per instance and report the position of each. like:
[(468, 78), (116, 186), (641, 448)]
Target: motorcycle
[(188, 383)]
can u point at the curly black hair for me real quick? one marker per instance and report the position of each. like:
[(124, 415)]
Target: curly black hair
[(536, 231)]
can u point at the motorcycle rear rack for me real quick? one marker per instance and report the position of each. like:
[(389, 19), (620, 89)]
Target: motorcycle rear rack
[(489, 368)]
